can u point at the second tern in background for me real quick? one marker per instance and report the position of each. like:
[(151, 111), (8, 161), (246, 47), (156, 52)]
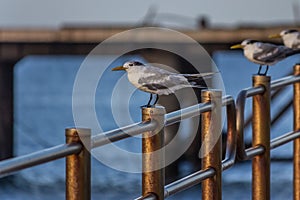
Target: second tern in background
[(264, 53), (290, 38)]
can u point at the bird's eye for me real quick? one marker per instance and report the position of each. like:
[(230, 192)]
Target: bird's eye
[(130, 64)]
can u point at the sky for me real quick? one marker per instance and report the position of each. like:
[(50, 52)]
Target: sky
[(56, 13)]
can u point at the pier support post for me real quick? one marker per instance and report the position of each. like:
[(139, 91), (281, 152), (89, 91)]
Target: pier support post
[(78, 166), (261, 123), (212, 145), (153, 177), (296, 105), (6, 109)]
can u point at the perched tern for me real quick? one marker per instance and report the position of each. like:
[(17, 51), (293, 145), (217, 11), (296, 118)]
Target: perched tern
[(290, 38), (264, 53), (158, 81)]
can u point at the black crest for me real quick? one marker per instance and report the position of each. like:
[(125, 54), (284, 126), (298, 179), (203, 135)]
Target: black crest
[(292, 31), (136, 63)]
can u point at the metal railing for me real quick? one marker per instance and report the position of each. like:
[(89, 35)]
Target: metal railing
[(78, 177)]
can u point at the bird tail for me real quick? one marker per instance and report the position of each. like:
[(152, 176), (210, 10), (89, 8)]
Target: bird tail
[(198, 80), (292, 52), (206, 75)]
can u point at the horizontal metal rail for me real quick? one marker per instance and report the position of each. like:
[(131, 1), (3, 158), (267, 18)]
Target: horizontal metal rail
[(285, 81), (148, 197), (12, 165), (22, 162), (283, 139), (276, 142), (188, 181), (122, 133), (254, 151), (185, 113)]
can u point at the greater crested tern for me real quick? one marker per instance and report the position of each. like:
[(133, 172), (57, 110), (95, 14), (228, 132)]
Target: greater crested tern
[(264, 53), (158, 81), (290, 38)]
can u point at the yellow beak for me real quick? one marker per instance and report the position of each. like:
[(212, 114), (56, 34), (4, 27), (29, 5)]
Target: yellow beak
[(118, 68), (237, 46), (275, 36)]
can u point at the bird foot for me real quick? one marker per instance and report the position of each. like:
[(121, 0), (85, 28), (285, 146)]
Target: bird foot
[(260, 74), (147, 106)]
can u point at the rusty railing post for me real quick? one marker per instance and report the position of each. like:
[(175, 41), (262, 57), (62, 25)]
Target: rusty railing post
[(211, 145), (297, 141), (261, 123), (153, 177), (78, 166)]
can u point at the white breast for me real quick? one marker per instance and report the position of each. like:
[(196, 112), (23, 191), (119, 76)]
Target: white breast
[(291, 40)]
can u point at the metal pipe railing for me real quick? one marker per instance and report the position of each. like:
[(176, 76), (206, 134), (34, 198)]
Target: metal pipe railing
[(296, 105), (230, 153), (78, 158), (211, 148), (185, 113), (285, 81), (10, 166), (240, 110), (188, 181), (122, 133), (283, 139), (261, 126), (242, 154), (78, 166), (276, 85), (199, 176), (153, 176), (254, 151)]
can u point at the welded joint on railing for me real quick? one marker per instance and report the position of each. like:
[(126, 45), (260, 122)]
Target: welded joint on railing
[(254, 151)]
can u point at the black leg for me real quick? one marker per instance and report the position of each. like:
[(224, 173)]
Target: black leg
[(148, 104), (258, 73), (266, 70), (156, 100)]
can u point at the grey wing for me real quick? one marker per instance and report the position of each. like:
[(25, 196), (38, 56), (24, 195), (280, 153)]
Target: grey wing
[(271, 53), (163, 82), (206, 75)]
